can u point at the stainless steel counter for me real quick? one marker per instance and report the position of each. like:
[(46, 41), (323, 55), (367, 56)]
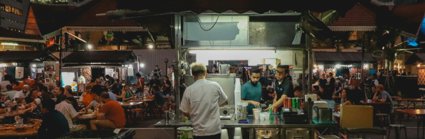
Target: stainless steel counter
[(253, 125), (250, 124)]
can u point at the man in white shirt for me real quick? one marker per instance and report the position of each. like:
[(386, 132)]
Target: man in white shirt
[(23, 93), (201, 102), (67, 110), (10, 92)]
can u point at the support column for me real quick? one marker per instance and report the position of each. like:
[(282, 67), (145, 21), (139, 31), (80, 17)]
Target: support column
[(177, 75), (310, 62)]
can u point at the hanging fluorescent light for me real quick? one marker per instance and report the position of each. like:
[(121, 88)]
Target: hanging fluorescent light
[(9, 44)]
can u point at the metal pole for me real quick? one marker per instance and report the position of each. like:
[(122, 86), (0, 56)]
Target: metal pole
[(304, 83), (60, 57), (310, 63), (166, 66), (361, 77), (177, 76)]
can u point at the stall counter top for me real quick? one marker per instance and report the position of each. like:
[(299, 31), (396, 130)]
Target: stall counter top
[(249, 124)]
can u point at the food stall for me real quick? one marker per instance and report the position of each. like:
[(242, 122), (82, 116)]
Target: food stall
[(21, 64), (83, 66), (342, 63), (237, 42)]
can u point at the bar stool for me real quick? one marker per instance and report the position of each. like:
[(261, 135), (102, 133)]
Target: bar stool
[(397, 128)]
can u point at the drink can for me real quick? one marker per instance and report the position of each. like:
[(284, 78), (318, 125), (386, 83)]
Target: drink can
[(297, 106)]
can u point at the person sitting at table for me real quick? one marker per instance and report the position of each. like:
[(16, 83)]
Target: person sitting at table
[(88, 98), (20, 95), (66, 109), (67, 92), (126, 93), (381, 95), (159, 96), (54, 124), (10, 92), (345, 100), (110, 115)]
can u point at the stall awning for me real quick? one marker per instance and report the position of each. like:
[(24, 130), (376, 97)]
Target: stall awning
[(24, 56), (418, 57), (342, 57), (106, 58)]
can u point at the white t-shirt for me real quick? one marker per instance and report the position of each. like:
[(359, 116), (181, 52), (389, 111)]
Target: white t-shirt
[(201, 100), (19, 94), (67, 110)]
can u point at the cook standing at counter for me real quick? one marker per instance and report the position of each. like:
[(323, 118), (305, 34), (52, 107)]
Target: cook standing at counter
[(283, 87), (251, 91), (201, 102)]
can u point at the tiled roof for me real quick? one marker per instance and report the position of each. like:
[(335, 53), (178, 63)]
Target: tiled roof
[(359, 16)]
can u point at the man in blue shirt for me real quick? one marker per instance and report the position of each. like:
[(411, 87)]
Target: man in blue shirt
[(251, 91)]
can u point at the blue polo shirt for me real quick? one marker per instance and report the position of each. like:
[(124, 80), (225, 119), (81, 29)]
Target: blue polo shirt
[(251, 92)]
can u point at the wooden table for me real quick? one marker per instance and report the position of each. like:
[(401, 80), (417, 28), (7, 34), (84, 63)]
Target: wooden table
[(87, 116), (13, 113), (131, 104), (128, 109), (419, 113), (9, 131), (411, 101)]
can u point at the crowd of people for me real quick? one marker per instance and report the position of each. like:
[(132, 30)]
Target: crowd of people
[(59, 107)]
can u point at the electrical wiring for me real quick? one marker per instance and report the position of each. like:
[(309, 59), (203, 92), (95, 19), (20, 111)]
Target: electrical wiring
[(200, 24)]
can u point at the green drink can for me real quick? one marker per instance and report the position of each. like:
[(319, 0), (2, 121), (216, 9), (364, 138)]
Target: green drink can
[(297, 103)]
